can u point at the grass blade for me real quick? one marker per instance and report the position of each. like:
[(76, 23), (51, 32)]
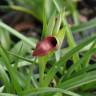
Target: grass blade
[(84, 26), (14, 32), (37, 91), (79, 80), (51, 73)]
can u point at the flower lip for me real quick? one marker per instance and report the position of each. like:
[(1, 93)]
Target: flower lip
[(52, 41), (46, 45)]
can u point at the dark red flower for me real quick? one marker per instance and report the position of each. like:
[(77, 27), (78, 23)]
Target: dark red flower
[(43, 47)]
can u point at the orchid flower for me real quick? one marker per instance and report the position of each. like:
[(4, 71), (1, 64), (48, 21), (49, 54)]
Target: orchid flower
[(45, 46)]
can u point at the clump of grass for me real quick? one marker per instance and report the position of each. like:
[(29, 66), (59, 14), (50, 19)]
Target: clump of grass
[(17, 76)]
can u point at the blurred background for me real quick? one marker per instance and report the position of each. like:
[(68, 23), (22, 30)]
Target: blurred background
[(26, 16)]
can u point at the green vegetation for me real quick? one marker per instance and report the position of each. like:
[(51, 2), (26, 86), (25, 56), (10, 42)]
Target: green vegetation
[(17, 77)]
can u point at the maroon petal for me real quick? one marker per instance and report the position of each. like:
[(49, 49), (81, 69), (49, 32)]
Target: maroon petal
[(44, 46)]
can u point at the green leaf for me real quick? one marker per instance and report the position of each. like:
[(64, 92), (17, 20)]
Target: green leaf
[(56, 67), (5, 79), (84, 62), (79, 80), (14, 32), (5, 38), (84, 26), (12, 74), (22, 58), (76, 49), (60, 37), (49, 8), (7, 94), (50, 25), (15, 49), (35, 10), (58, 24), (32, 92), (1, 88)]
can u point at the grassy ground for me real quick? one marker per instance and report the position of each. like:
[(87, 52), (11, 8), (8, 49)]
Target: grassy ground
[(38, 66)]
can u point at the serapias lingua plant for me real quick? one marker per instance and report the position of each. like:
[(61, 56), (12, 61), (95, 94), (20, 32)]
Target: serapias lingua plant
[(27, 72)]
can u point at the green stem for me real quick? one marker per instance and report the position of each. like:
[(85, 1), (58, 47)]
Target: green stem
[(41, 72), (42, 63)]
